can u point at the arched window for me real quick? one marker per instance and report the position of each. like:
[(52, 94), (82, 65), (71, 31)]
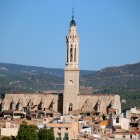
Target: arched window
[(75, 55), (70, 107), (71, 55)]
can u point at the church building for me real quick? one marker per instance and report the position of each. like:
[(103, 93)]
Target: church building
[(71, 100)]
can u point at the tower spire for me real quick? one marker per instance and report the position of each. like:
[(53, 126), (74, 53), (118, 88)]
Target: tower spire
[(72, 23)]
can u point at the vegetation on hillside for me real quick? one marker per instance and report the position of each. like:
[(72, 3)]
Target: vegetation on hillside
[(127, 76), (30, 78)]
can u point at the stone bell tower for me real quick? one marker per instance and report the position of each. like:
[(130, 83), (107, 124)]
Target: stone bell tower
[(71, 72)]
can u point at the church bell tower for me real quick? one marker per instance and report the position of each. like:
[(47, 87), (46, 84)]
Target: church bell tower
[(71, 72)]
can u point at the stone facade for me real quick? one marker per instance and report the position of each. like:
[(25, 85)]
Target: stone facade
[(64, 130), (30, 102), (99, 103)]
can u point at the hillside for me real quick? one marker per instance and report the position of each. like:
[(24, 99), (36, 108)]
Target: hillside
[(15, 77), (127, 76), (31, 78), (20, 77)]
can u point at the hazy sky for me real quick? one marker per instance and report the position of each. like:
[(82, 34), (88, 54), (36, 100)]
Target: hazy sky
[(32, 32)]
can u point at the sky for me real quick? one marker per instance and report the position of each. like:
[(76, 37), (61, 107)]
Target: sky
[(33, 32)]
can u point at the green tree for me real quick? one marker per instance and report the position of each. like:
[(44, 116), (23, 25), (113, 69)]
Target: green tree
[(45, 134), (27, 132)]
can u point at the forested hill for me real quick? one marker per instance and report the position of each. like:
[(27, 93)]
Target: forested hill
[(127, 76), (30, 78), (15, 77)]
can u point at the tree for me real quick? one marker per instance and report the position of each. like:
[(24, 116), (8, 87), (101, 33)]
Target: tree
[(27, 132), (31, 132), (45, 134)]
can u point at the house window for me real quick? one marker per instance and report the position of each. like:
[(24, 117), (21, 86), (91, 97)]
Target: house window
[(59, 128), (59, 135), (117, 120), (70, 107), (123, 136), (66, 136), (88, 114), (66, 128)]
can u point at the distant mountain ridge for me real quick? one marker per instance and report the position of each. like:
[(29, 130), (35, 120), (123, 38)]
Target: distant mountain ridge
[(127, 76), (15, 77)]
